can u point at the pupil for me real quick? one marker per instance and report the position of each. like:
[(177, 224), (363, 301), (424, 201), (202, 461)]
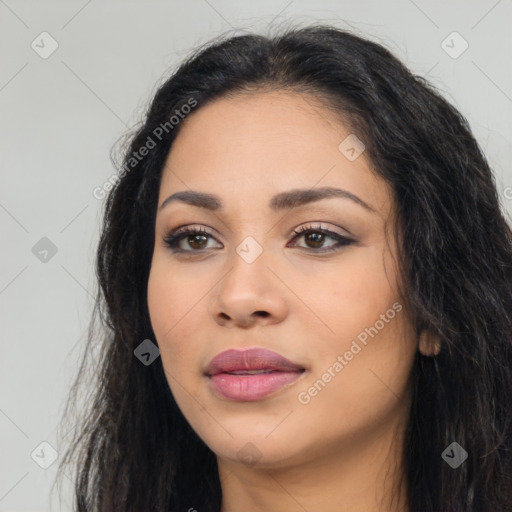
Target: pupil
[(316, 238), (193, 239)]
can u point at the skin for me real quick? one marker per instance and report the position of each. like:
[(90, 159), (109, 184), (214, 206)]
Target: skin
[(342, 451)]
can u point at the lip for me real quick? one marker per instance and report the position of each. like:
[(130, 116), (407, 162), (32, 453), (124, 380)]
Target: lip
[(228, 373)]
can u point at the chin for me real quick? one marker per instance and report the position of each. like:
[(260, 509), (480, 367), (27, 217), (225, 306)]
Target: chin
[(256, 449)]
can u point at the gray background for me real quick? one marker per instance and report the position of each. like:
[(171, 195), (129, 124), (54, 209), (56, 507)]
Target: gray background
[(61, 115)]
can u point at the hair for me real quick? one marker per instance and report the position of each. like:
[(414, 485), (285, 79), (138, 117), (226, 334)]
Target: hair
[(135, 450)]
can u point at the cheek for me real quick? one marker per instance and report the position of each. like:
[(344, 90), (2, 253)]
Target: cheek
[(362, 376), (168, 303), (362, 321), (347, 297), (162, 301), (177, 305)]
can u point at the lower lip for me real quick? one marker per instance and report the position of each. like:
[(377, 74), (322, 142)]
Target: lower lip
[(249, 388)]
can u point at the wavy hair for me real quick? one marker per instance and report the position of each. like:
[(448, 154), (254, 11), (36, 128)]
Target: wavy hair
[(133, 448)]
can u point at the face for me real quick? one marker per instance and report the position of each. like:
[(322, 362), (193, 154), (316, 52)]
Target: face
[(313, 281)]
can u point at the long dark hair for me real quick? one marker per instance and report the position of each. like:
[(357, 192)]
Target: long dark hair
[(135, 451)]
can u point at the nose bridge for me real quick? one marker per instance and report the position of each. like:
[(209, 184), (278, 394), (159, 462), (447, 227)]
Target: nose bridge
[(248, 287), (251, 249), (247, 261)]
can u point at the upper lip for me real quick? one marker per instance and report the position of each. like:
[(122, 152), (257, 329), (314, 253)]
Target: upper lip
[(250, 359)]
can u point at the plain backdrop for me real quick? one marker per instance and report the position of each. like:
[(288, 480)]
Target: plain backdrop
[(61, 113)]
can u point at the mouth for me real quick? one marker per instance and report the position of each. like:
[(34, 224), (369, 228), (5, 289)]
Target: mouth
[(251, 375), (249, 372)]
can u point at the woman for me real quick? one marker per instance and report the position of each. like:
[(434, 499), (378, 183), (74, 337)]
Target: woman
[(306, 281)]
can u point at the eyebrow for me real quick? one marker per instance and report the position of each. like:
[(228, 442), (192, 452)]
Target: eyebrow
[(282, 201)]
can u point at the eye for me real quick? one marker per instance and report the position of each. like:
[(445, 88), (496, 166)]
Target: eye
[(197, 239), (315, 238)]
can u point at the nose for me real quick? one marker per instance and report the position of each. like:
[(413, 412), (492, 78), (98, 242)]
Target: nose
[(249, 294)]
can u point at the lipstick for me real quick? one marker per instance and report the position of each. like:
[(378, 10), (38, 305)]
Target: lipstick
[(252, 374)]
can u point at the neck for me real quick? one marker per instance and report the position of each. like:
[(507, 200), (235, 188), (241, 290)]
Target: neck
[(360, 475)]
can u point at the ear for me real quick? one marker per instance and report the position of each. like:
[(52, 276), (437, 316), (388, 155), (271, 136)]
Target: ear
[(429, 344)]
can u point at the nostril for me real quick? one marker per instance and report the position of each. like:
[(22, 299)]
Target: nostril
[(264, 314)]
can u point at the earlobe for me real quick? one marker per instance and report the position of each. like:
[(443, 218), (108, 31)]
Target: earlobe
[(429, 344)]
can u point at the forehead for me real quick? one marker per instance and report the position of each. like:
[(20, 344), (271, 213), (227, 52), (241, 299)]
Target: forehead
[(252, 146)]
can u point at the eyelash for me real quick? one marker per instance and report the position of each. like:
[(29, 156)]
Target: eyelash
[(172, 240)]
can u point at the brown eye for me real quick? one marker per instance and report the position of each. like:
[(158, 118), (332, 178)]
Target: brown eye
[(315, 238), (196, 240)]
